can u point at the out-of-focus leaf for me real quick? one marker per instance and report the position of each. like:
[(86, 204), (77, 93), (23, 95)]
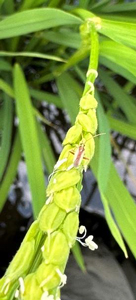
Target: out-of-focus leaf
[(84, 3), (110, 8), (5, 87), (120, 55), (5, 65), (11, 170), (78, 56), (122, 127), (115, 67), (78, 256), (29, 139), (104, 147), (34, 20), (124, 101), (47, 97), (112, 225), (32, 54), (31, 4), (48, 155), (68, 95), (64, 37), (120, 202), (6, 133)]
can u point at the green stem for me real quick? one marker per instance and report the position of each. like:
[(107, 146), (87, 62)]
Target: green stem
[(93, 62)]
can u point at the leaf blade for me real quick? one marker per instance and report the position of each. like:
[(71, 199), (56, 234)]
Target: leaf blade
[(34, 20), (29, 139)]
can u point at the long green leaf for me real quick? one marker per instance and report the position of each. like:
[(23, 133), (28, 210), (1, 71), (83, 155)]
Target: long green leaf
[(122, 32), (11, 170), (6, 133), (47, 97), (105, 147), (122, 127), (115, 67), (124, 101), (5, 87), (68, 95), (5, 65), (35, 20), (119, 54), (121, 203), (112, 225), (110, 8), (48, 155), (64, 37), (29, 139), (78, 256), (31, 54)]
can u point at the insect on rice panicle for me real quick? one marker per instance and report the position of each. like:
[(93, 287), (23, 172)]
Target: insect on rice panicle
[(79, 153)]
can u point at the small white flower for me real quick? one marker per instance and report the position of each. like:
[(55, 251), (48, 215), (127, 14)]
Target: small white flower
[(90, 243), (63, 278), (46, 296)]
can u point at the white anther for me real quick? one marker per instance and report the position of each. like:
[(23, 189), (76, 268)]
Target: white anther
[(70, 167), (59, 163), (82, 229), (46, 296), (90, 243), (49, 200), (54, 180), (63, 278), (92, 71), (17, 294), (42, 248), (22, 286)]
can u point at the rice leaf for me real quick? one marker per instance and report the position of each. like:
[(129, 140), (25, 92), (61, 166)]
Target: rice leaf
[(11, 170), (115, 67), (64, 37), (29, 140), (31, 54), (6, 133), (5, 87), (120, 202), (122, 127), (5, 65), (68, 95), (120, 54), (47, 153), (113, 226), (110, 8), (78, 256), (34, 20), (124, 101), (104, 147), (47, 97)]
